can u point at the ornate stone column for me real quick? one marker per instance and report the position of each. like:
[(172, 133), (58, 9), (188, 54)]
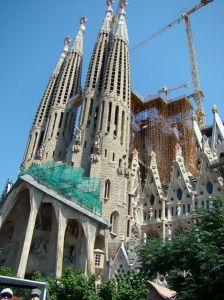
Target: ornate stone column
[(168, 211), (90, 233), (163, 219), (62, 223), (35, 200)]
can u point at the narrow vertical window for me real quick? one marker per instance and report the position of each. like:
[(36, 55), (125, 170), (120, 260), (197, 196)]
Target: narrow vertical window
[(34, 144), (96, 116), (129, 204), (116, 119), (109, 117), (61, 117), (90, 111), (184, 209), (40, 139), (66, 119), (114, 220), (120, 163), (107, 189), (84, 110), (102, 113), (55, 117), (122, 126), (128, 228)]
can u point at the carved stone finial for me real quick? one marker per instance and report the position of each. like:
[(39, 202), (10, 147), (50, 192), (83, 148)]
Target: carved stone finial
[(110, 2), (214, 109), (66, 40), (123, 3), (205, 141), (83, 20), (152, 154)]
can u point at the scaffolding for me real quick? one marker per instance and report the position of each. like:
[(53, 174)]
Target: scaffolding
[(159, 125), (69, 182)]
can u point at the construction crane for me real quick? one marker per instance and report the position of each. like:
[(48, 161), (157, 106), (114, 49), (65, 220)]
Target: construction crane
[(197, 93), (167, 89)]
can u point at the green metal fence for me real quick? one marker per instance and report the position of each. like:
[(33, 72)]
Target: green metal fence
[(69, 182)]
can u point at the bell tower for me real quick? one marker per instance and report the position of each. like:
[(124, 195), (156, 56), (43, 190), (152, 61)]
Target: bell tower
[(105, 125), (54, 122), (86, 131), (62, 115), (38, 129)]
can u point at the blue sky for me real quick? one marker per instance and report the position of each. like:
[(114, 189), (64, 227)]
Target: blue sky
[(32, 34)]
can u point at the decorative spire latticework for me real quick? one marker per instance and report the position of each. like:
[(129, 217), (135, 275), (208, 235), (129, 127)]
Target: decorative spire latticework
[(78, 41)]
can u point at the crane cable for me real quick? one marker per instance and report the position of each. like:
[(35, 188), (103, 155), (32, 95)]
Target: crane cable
[(157, 33)]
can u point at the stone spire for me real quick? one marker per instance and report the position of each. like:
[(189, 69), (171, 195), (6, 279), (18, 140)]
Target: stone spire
[(107, 22), (62, 57), (105, 125), (78, 41), (52, 134), (121, 30), (100, 53), (117, 79), (92, 91), (40, 121), (62, 116)]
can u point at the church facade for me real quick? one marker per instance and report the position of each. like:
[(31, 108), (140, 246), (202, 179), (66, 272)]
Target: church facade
[(87, 196)]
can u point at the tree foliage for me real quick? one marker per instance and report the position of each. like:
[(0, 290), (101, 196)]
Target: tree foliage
[(194, 260), (73, 284), (6, 271), (132, 287)]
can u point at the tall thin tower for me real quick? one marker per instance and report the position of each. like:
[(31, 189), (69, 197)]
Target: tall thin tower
[(54, 123), (37, 131), (85, 134), (105, 123), (62, 114)]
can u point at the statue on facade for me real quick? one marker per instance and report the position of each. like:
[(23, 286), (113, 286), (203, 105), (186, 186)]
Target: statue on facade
[(39, 247), (77, 139), (178, 209), (40, 152), (150, 213), (97, 144)]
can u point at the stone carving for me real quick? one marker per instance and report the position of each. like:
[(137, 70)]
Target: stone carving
[(73, 229), (77, 140), (73, 255), (39, 247), (94, 158), (150, 213), (178, 209), (40, 152), (69, 255), (97, 144), (4, 254)]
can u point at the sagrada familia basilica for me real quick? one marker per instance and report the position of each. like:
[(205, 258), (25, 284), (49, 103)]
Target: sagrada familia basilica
[(130, 170)]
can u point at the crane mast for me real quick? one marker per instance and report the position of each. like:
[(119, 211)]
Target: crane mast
[(193, 61), (195, 75), (200, 114)]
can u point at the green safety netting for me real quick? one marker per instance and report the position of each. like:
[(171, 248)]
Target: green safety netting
[(69, 182)]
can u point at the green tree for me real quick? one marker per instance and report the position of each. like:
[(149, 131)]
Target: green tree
[(132, 287), (193, 261), (74, 285), (7, 271)]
